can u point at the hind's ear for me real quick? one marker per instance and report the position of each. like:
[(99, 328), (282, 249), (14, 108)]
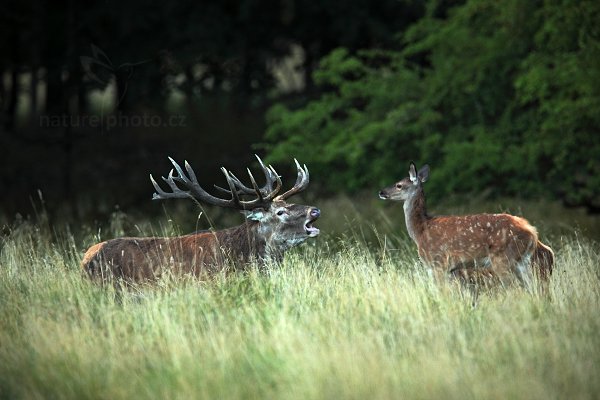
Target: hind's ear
[(258, 214), (412, 172), (423, 173)]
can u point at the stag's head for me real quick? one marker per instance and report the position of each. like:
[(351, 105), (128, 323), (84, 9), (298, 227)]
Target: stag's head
[(407, 187), (282, 225)]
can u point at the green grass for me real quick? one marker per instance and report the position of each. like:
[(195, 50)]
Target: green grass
[(341, 319)]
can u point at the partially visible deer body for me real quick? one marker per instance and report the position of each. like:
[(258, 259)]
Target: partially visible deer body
[(470, 247), (272, 226)]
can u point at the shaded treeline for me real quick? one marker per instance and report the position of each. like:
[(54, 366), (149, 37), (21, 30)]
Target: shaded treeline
[(501, 98), (95, 95)]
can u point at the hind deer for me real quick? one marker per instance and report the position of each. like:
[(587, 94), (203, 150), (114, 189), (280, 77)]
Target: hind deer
[(272, 226), (472, 248)]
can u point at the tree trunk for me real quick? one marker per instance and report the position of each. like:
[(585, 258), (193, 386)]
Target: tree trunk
[(13, 96), (13, 99), (33, 95)]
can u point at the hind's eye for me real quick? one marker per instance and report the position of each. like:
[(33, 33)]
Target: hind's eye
[(399, 185)]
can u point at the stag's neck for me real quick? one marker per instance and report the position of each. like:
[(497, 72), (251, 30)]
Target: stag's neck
[(244, 241), (415, 215)]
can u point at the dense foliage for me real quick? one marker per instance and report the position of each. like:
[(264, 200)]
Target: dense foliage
[(499, 97)]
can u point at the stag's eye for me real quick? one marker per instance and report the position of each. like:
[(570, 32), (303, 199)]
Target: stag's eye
[(281, 212), (399, 185)]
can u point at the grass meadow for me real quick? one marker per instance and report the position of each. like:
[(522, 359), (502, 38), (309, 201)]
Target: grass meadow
[(348, 315)]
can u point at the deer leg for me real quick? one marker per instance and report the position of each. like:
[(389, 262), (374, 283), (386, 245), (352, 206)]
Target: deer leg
[(118, 288), (482, 276), (434, 273), (523, 271), (502, 268), (467, 280), (437, 267), (523, 258)]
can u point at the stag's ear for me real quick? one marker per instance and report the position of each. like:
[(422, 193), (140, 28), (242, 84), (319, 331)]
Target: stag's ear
[(423, 173), (412, 173), (255, 215)]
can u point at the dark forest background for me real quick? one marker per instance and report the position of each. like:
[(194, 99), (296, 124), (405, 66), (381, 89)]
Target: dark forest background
[(501, 98)]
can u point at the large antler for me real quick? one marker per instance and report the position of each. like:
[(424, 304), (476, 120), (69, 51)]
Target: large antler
[(267, 192), (301, 182), (264, 195)]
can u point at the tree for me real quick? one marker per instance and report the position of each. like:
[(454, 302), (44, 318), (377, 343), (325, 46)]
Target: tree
[(559, 89), (486, 93)]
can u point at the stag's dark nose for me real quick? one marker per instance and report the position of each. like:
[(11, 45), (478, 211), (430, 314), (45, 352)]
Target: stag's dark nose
[(383, 195), (315, 213)]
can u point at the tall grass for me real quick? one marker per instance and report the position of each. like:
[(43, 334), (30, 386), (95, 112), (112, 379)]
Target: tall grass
[(338, 320)]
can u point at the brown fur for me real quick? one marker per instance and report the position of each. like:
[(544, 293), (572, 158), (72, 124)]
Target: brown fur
[(471, 248), (146, 259), (543, 260), (501, 240), (91, 253)]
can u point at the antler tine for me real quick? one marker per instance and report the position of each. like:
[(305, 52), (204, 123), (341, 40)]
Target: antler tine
[(231, 184), (306, 176), (191, 183), (301, 182), (189, 170), (171, 182), (271, 177), (254, 185), (266, 193), (222, 189), (161, 194), (180, 175), (176, 194), (274, 178), (240, 186), (267, 171)]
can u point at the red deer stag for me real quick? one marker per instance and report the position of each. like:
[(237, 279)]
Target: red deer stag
[(272, 226), (470, 247)]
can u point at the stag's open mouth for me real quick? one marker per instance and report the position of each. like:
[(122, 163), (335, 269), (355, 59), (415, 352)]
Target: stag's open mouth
[(310, 230)]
